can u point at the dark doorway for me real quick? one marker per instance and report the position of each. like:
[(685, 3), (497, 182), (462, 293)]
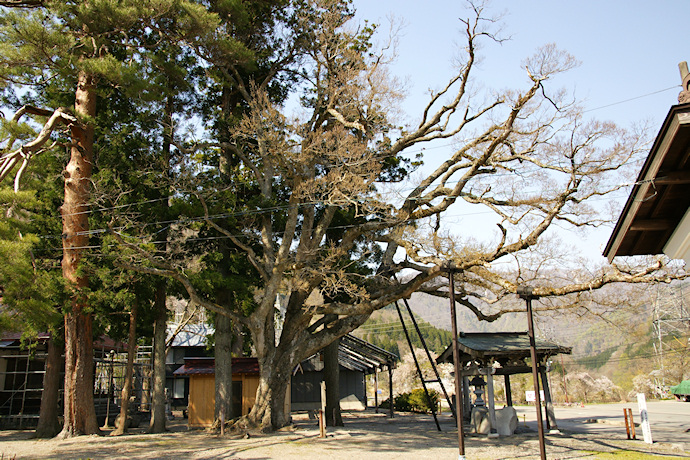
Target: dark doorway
[(236, 398)]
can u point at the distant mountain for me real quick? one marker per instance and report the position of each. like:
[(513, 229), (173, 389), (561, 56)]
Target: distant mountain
[(436, 311)]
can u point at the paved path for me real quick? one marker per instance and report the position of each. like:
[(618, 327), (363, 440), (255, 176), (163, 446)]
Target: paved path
[(669, 420)]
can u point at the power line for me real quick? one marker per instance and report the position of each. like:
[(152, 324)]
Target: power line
[(632, 99), (445, 145), (261, 211)]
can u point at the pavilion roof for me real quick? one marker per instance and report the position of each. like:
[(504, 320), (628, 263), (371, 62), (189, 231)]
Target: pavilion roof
[(487, 347)]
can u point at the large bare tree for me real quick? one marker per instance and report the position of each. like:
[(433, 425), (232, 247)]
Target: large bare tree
[(335, 217)]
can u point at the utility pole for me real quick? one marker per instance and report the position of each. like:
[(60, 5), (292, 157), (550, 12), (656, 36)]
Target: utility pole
[(525, 292), (456, 366), (670, 318)]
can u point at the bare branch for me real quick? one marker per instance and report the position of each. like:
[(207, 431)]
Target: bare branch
[(24, 153), (161, 268)]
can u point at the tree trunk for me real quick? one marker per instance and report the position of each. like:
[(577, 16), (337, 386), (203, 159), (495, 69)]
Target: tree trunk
[(223, 355), (237, 347), (269, 410), (48, 420), (80, 414), (121, 428), (331, 375), (157, 424)]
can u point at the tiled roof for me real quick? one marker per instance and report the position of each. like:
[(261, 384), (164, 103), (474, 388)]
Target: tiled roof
[(494, 345), (197, 366)]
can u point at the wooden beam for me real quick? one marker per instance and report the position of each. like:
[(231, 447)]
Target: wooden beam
[(651, 225), (672, 177)]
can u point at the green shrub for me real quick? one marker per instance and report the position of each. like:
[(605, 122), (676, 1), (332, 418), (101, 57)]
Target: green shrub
[(415, 401), (420, 403)]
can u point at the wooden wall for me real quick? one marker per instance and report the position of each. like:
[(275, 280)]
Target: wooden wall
[(202, 400), (202, 397), (250, 383)]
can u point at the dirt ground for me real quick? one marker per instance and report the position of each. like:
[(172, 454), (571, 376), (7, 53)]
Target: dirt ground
[(365, 435)]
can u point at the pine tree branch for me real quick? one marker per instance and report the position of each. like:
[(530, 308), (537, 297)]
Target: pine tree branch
[(22, 3), (34, 147)]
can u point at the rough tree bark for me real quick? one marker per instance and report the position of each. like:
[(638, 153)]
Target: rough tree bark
[(331, 375), (80, 414), (223, 355), (269, 411), (157, 424), (121, 427), (48, 420)]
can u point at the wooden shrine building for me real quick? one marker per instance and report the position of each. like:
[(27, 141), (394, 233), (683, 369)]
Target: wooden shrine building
[(485, 354), (656, 217), (202, 388), (357, 359)]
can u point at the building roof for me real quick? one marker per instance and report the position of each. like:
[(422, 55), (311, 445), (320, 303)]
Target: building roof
[(353, 354), (198, 366), (358, 355), (105, 343), (655, 218), (487, 347), (191, 335)]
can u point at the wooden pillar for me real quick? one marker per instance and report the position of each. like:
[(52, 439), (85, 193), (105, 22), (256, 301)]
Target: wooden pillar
[(390, 388), (490, 400), (467, 406), (526, 293), (509, 393), (551, 423)]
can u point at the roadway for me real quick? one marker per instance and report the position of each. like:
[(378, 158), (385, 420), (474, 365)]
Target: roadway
[(669, 420)]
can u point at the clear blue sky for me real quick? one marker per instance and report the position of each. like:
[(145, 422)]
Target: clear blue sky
[(627, 48), (629, 53)]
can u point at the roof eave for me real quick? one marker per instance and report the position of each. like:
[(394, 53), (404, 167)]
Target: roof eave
[(678, 116)]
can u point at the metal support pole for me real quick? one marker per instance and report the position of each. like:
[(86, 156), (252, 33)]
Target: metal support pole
[(456, 366), (526, 293), (376, 389), (390, 388), (416, 363)]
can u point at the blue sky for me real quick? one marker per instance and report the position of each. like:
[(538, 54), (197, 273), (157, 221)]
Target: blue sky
[(629, 53), (627, 48)]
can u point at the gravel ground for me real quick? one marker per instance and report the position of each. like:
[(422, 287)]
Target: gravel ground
[(365, 435)]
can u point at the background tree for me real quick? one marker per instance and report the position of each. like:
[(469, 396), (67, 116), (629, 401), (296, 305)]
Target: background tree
[(32, 291), (254, 43), (30, 288)]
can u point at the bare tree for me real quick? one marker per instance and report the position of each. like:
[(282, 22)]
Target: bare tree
[(327, 225)]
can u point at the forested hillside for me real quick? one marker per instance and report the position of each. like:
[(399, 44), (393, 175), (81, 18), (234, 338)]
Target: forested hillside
[(384, 330)]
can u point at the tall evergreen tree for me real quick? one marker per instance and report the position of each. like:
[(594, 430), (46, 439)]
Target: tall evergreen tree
[(78, 47)]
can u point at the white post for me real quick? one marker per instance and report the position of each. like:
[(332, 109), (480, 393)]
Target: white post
[(644, 418)]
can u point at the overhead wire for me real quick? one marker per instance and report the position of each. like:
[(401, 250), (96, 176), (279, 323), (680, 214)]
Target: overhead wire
[(438, 146)]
